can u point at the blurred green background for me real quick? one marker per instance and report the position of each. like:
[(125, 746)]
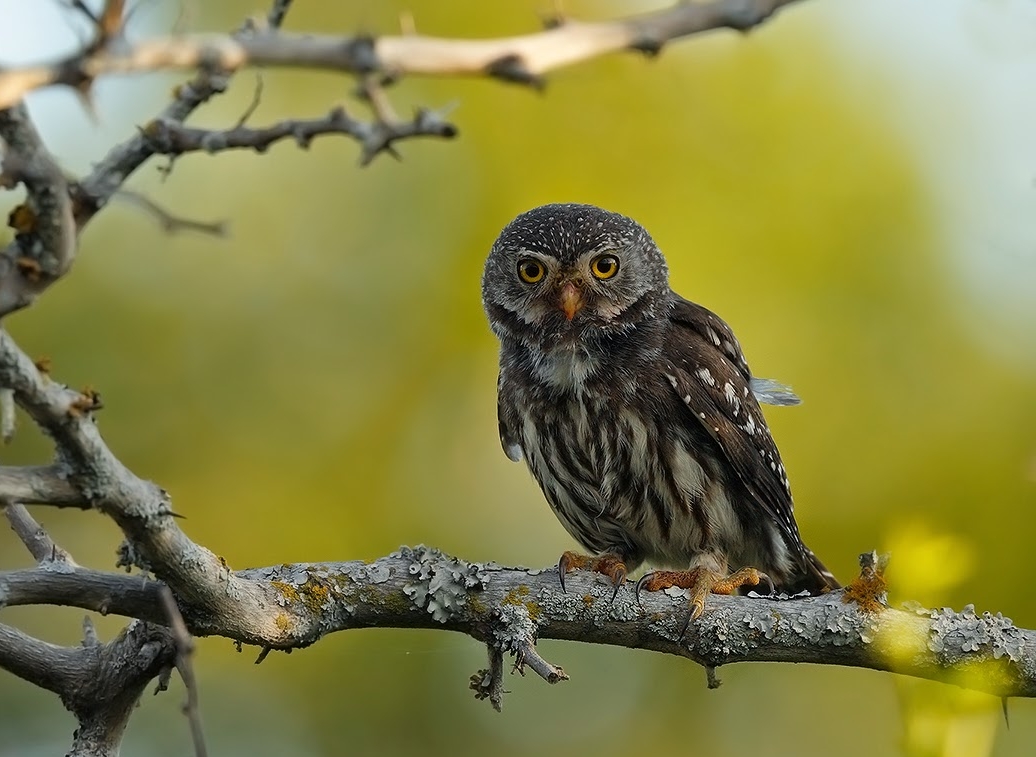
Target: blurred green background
[(321, 385)]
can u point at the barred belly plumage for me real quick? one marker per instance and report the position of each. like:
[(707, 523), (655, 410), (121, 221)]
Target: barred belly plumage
[(620, 484)]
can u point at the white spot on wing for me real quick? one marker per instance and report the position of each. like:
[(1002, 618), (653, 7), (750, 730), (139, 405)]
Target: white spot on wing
[(750, 425), (706, 376)]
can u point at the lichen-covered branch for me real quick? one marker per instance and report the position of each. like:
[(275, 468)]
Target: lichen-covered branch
[(510, 609), (522, 59)]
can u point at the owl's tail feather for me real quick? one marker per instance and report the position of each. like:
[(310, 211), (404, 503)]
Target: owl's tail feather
[(816, 579)]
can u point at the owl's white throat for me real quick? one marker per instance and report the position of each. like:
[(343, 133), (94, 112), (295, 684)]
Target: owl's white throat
[(567, 366)]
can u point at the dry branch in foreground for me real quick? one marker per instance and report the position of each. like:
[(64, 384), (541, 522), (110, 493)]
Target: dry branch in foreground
[(522, 59)]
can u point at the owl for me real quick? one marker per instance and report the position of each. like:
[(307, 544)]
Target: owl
[(636, 412)]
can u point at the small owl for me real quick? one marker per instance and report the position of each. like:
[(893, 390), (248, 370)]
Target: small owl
[(636, 412)]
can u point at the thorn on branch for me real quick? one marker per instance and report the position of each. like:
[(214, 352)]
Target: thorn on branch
[(712, 677), (511, 68), (90, 637), (745, 15), (649, 46), (277, 13), (362, 56), (162, 683), (34, 536)]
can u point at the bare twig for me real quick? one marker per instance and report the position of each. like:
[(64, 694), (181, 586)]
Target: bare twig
[(34, 537), (95, 190), (184, 653), (170, 223), (257, 97), (521, 59), (527, 655), (171, 138)]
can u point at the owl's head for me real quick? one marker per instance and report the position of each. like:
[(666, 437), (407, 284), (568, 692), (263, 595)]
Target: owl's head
[(560, 272)]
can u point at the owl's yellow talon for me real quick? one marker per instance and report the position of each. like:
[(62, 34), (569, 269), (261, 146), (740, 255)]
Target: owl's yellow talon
[(609, 565)]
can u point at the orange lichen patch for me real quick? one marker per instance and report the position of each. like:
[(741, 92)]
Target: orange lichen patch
[(287, 590), (22, 219), (89, 399), (282, 621), (30, 269), (315, 594), (588, 600), (517, 596), (868, 590), (43, 365)]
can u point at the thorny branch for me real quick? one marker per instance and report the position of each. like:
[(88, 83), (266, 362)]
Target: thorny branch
[(175, 139), (522, 59), (47, 225)]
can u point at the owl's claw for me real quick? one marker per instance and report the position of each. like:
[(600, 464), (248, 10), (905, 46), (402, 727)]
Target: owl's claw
[(608, 565), (700, 582)]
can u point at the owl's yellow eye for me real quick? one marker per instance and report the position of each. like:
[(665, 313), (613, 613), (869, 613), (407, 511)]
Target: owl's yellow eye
[(530, 270), (604, 266)]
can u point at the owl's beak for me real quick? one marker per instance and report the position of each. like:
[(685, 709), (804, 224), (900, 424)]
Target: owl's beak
[(571, 300)]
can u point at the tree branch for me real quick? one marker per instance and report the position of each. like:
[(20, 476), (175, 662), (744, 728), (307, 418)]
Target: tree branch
[(39, 485), (510, 609), (35, 539), (523, 59), (45, 241), (99, 683), (172, 138)]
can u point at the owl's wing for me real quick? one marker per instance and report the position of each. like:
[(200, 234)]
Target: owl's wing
[(713, 329), (508, 436), (711, 376)]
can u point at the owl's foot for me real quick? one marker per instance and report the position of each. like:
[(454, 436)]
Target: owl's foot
[(700, 582), (609, 565)]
